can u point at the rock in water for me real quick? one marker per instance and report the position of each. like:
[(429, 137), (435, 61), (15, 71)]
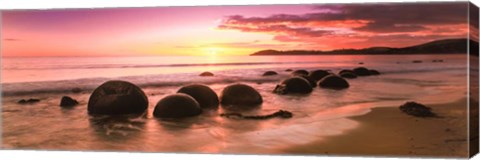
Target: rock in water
[(333, 82), (417, 109), (417, 61), (318, 74), (68, 101), (117, 97), (177, 106), (361, 71), (206, 74), (288, 70), (270, 73), (294, 85), (300, 72), (240, 94), (349, 75), (374, 72), (204, 95), (312, 82), (29, 101)]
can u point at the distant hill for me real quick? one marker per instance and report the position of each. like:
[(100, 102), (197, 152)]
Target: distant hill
[(435, 47)]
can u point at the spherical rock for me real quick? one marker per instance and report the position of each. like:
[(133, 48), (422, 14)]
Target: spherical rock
[(68, 101), (300, 72), (374, 72), (204, 95), (240, 94), (294, 85), (361, 71), (206, 74), (349, 75), (270, 73), (318, 74), (310, 80), (333, 82), (177, 106), (117, 97)]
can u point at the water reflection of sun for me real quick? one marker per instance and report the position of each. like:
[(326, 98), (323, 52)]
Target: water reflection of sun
[(212, 51)]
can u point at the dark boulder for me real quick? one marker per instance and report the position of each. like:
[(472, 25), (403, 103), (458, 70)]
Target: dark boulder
[(374, 72), (345, 70), (294, 85), (318, 74), (333, 82), (360, 63), (117, 97), (288, 70), (300, 72), (68, 101), (417, 61), (270, 73), (206, 74), (417, 110), (28, 101), (361, 71), (312, 82), (177, 106), (76, 90), (240, 94), (204, 95), (349, 75)]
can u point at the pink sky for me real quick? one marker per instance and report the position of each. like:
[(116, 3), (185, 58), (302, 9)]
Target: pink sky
[(227, 30)]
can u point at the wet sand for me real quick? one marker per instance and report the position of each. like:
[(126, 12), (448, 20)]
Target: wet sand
[(386, 131)]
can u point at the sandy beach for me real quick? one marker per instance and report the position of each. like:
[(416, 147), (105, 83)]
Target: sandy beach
[(386, 131)]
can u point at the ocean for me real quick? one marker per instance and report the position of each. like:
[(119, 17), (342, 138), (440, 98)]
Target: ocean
[(317, 116)]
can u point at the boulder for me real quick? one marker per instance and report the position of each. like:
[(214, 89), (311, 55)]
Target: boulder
[(360, 63), (318, 74), (206, 74), (293, 85), (417, 109), (28, 101), (349, 75), (361, 71), (270, 73), (300, 72), (240, 94), (417, 61), (345, 70), (177, 106), (68, 101), (117, 97), (333, 82), (374, 72), (204, 95), (288, 70)]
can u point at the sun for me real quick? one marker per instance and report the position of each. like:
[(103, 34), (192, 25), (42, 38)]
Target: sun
[(212, 51)]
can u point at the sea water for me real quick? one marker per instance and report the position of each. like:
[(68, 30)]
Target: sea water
[(317, 116)]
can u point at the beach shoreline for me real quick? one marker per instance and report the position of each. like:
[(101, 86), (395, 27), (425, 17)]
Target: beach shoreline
[(386, 131)]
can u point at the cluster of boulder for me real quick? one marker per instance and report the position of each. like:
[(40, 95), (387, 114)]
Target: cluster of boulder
[(120, 97), (303, 81)]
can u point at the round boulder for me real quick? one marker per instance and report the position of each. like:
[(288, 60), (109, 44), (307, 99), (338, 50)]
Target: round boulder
[(374, 72), (177, 106), (117, 97), (270, 73), (206, 74), (361, 71), (295, 85), (204, 95), (318, 74), (333, 82), (349, 75), (300, 72), (240, 94)]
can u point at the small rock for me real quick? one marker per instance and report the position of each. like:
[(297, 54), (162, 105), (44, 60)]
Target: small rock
[(288, 70), (29, 101), (206, 74), (270, 73), (417, 61), (360, 62), (300, 72), (68, 102), (417, 110)]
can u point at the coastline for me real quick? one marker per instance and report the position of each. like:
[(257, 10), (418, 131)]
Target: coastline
[(386, 131)]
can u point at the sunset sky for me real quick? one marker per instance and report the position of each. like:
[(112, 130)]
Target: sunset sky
[(227, 30)]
